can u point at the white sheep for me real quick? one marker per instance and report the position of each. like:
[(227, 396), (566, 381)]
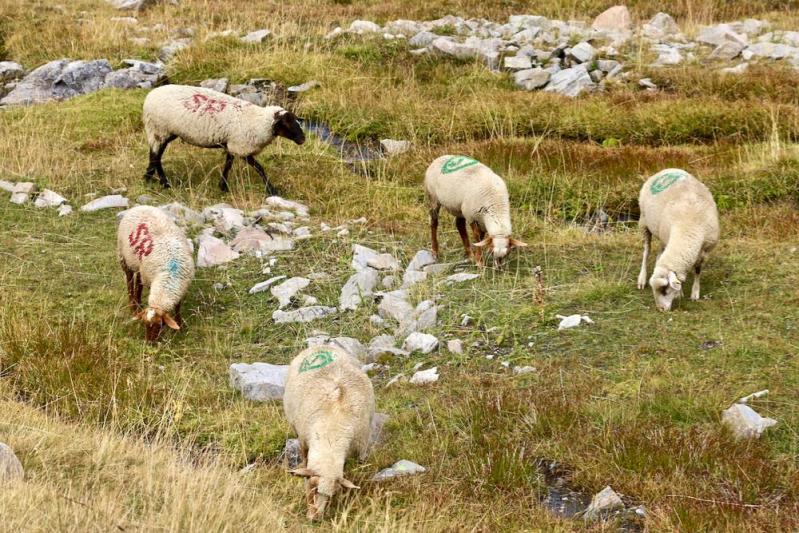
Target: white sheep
[(153, 251), (210, 119), (330, 403), (475, 195), (680, 211)]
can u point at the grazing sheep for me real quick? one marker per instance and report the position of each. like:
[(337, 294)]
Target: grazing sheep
[(210, 119), (153, 251), (680, 210), (476, 196), (330, 403)]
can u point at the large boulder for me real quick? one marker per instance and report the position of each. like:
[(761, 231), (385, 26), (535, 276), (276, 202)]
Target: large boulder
[(59, 80)]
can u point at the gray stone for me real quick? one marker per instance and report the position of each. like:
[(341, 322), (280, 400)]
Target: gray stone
[(771, 51), (257, 36), (169, 49), (647, 83), (259, 382), (182, 215), (303, 232), (140, 74), (461, 277), (603, 502), (105, 202), (353, 347), (718, 34), (395, 305), (304, 87), (225, 218), (438, 268), (257, 242), (412, 277), (10, 467), (571, 81), (303, 314), (59, 80), (25, 187), (262, 286), (48, 198), (582, 52), (667, 55), (423, 317), (129, 21), (288, 290), (661, 26), (215, 84), (214, 252), (361, 255), (421, 260), (334, 33), (377, 321), (616, 18), (402, 467), (127, 4), (727, 50), (389, 282), (9, 70), (364, 26), (7, 186), (360, 285), (531, 79), (20, 198), (455, 346), (607, 65), (523, 370), (420, 342), (425, 377), (738, 69), (64, 210), (394, 147), (448, 47), (277, 202), (422, 39), (383, 262), (518, 62), (291, 454), (744, 422)]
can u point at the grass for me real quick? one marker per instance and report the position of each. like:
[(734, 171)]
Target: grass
[(632, 401)]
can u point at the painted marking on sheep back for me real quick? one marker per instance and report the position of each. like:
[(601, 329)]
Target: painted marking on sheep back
[(664, 181), (205, 105), (173, 267), (456, 163), (141, 241), (316, 360)]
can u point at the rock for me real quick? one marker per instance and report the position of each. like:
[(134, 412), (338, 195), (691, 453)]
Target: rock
[(422, 39), (744, 422), (304, 87), (526, 36), (531, 79), (524, 369), (727, 50), (343, 233), (291, 454), (647, 83), (140, 74), (64, 210), (214, 252), (616, 18), (257, 36), (466, 320), (376, 434), (364, 26), (225, 218), (288, 290), (719, 34), (423, 377), (394, 147), (389, 282), (455, 346), (661, 26), (129, 21), (377, 321), (420, 342), (421, 260), (10, 466), (603, 502), (423, 318), (215, 84), (277, 202), (219, 286), (738, 69), (572, 321), (9, 71), (182, 215), (361, 255), (571, 81), (359, 286), (105, 202), (518, 63), (411, 277), (261, 287), (771, 51), (257, 242), (754, 395), (383, 344), (303, 232), (446, 46), (400, 468), (334, 33), (7, 186), (126, 4), (383, 262), (259, 382), (169, 49), (48, 198), (460, 277), (20, 198), (353, 347), (667, 55), (582, 52), (59, 80), (395, 305), (303, 314)]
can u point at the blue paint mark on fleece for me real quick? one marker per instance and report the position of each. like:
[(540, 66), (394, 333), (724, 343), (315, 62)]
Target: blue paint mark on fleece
[(173, 267)]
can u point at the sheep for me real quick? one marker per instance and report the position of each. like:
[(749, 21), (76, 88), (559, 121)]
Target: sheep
[(679, 209), (154, 252), (210, 119), (329, 402), (475, 195)]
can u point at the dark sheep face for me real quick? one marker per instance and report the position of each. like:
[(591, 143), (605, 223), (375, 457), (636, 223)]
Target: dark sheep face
[(286, 125)]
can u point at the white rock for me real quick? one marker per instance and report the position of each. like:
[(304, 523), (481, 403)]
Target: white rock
[(771, 51), (466, 320), (572, 321), (745, 422), (754, 395), (64, 210), (105, 202), (10, 70), (182, 215), (361, 255), (603, 501), (20, 198), (257, 36), (523, 369), (7, 186), (718, 34), (317, 340), (389, 282), (422, 39), (420, 342), (353, 347), (421, 260), (364, 26), (10, 466), (395, 305), (518, 63), (423, 377), (400, 468), (303, 314), (303, 232), (727, 50), (667, 55), (616, 18), (304, 87), (216, 84), (661, 26), (583, 52), (259, 382), (455, 346), (383, 262), (281, 203), (394, 147), (531, 79), (343, 233), (360, 285), (334, 33), (257, 242), (126, 4), (225, 218), (25, 187), (214, 252), (377, 321), (260, 287), (412, 277), (461, 277), (288, 290), (571, 81), (424, 317), (738, 69)]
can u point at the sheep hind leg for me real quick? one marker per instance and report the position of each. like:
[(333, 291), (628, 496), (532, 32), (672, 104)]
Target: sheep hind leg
[(130, 278), (138, 288), (223, 184), (155, 162), (460, 223), (647, 235), (478, 235), (434, 229), (697, 275), (270, 190)]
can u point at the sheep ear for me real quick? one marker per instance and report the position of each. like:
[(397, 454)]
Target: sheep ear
[(348, 484), (169, 321), (518, 244), (658, 282), (302, 472), (674, 281), (484, 242)]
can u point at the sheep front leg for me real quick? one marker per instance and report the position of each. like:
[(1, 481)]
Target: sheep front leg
[(647, 235), (225, 170), (697, 274), (434, 229), (460, 223), (177, 317), (156, 153), (130, 278), (477, 234), (260, 170), (138, 290)]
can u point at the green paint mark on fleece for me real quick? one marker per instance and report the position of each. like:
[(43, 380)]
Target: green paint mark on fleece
[(316, 360), (458, 162), (666, 180)]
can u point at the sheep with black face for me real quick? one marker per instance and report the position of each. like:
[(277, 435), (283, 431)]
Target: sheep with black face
[(210, 119)]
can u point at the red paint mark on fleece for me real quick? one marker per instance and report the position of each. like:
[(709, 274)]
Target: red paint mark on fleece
[(141, 241), (205, 105)]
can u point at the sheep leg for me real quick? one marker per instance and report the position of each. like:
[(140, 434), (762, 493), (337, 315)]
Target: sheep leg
[(697, 274), (271, 191), (460, 223), (130, 277), (303, 455), (477, 234), (225, 170), (647, 235), (434, 229), (138, 290), (155, 162), (177, 317)]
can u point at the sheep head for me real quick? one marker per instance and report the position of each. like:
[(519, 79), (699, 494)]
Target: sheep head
[(320, 490), (286, 125), (501, 246), (154, 319), (666, 286)]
